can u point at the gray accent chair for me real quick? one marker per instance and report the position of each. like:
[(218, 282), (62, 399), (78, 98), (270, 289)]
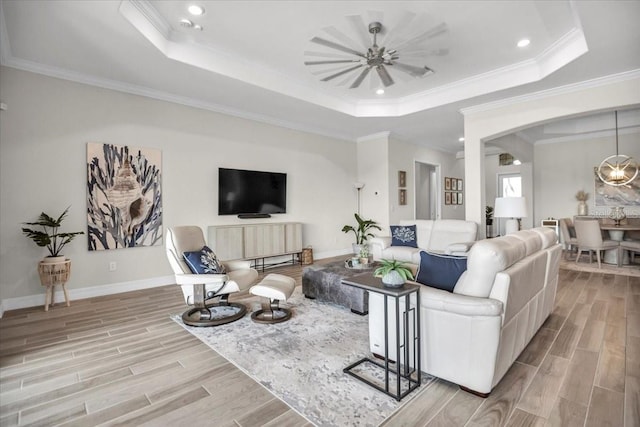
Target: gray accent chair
[(590, 239), (207, 293)]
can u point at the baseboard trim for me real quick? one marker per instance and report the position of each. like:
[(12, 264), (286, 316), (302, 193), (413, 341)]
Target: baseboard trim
[(89, 292)]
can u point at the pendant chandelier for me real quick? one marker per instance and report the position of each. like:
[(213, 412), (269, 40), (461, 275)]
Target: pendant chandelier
[(617, 170)]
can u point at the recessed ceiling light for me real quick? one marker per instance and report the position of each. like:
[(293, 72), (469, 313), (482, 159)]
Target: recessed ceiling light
[(524, 43), (195, 10), (461, 139), (517, 162), (186, 23), (380, 92)]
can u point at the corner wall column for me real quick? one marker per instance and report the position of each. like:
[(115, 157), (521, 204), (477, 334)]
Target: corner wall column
[(474, 179)]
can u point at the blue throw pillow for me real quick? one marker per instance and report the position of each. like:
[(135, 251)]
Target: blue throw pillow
[(404, 235), (203, 261), (440, 271)]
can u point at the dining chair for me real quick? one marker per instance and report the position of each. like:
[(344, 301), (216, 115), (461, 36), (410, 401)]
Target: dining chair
[(567, 232), (590, 239), (632, 246)]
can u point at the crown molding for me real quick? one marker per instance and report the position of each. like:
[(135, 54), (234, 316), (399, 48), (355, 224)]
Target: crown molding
[(146, 92), (560, 90)]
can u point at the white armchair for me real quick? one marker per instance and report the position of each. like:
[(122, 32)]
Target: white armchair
[(208, 293)]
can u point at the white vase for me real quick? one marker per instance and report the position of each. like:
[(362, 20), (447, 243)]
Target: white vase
[(393, 279), (582, 208)]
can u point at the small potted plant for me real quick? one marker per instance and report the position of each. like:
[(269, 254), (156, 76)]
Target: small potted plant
[(364, 254), (393, 273), (362, 232), (49, 236), (488, 216)]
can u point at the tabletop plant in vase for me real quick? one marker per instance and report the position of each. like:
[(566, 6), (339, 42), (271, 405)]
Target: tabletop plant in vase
[(582, 197), (48, 236), (362, 232), (393, 273)]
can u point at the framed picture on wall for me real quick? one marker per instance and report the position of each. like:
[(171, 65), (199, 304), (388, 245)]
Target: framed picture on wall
[(459, 184), (460, 198), (447, 198), (402, 178), (447, 183), (402, 197)]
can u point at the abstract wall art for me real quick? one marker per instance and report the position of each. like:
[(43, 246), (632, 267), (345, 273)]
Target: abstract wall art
[(607, 195), (124, 196)]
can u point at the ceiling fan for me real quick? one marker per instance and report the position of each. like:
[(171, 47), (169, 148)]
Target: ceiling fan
[(374, 57)]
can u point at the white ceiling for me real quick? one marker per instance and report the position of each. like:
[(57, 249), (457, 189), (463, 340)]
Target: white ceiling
[(249, 59)]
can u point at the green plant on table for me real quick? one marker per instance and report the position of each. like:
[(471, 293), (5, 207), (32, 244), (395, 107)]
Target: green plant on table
[(387, 266)]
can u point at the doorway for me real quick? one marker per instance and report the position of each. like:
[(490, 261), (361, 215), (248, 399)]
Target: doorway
[(426, 185), (509, 185)]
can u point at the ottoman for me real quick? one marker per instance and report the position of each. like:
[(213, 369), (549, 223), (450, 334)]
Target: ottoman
[(276, 288), (324, 283)]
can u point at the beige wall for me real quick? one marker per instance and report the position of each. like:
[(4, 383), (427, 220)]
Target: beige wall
[(43, 137)]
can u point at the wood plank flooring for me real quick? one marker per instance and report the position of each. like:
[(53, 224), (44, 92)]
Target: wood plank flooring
[(120, 360)]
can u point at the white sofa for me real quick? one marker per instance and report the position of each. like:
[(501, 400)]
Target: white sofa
[(472, 336), (450, 236)]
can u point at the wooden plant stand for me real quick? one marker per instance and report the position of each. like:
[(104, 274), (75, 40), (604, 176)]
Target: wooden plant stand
[(51, 275)]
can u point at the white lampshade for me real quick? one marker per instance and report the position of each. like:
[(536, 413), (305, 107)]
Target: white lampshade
[(510, 207)]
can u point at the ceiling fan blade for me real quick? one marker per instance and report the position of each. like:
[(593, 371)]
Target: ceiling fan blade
[(384, 76), (333, 76), (399, 28), (344, 39), (361, 29), (412, 69), (326, 54), (337, 61), (336, 46), (360, 78), (433, 32)]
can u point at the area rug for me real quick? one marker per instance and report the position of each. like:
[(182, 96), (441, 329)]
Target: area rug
[(583, 265), (301, 361)]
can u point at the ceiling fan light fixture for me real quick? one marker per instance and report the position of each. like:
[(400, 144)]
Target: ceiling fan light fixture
[(370, 61), (619, 169), (524, 43), (380, 91)]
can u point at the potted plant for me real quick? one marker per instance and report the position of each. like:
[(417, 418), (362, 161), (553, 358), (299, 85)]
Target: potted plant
[(393, 273), (364, 254), (488, 216), (361, 231), (49, 236)]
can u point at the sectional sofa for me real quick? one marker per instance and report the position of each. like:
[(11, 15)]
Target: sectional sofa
[(471, 336)]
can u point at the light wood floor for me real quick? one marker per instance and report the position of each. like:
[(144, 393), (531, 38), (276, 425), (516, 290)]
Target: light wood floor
[(120, 360)]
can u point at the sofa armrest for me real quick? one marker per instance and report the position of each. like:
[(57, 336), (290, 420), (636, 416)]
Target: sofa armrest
[(379, 244), (237, 265), (437, 299), (461, 248)]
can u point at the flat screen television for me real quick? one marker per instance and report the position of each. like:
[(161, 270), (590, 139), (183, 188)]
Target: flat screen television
[(247, 192)]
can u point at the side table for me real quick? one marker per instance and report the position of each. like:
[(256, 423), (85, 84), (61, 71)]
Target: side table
[(407, 377)]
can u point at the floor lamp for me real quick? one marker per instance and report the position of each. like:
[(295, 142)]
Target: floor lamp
[(359, 186), (513, 208)]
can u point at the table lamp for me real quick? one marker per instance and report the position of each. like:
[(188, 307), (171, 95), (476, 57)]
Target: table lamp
[(513, 208)]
